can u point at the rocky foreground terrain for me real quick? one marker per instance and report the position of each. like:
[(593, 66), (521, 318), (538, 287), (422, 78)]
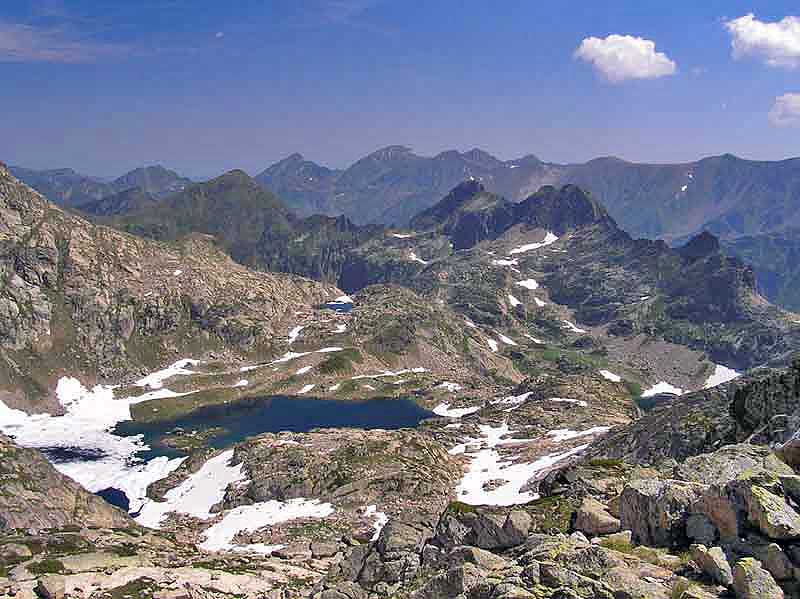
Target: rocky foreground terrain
[(588, 435)]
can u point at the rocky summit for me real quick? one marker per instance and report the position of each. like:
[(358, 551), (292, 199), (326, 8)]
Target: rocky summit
[(206, 395)]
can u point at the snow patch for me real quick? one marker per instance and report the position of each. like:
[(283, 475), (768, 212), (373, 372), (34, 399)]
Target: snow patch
[(416, 370), (295, 333), (572, 327), (493, 345), (89, 417), (608, 375), (549, 238), (447, 386), (514, 301), (564, 434), (381, 520), (506, 340), (662, 387), (196, 495), (506, 262), (443, 409), (722, 374), (304, 369), (487, 465), (414, 258), (306, 389), (528, 284), (155, 380), (250, 518)]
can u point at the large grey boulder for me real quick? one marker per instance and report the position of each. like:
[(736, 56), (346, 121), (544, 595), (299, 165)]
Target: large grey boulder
[(713, 563), (730, 462), (483, 527), (656, 511), (455, 582), (751, 581), (592, 518), (768, 512)]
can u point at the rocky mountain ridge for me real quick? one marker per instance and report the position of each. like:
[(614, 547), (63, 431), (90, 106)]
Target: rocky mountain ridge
[(90, 299), (731, 197)]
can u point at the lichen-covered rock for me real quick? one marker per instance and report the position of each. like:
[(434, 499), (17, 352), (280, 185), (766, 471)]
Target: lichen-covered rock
[(714, 563), (770, 513), (751, 581), (656, 511), (730, 461)]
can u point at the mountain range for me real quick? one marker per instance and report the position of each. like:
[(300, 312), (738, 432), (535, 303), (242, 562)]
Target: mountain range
[(752, 201), (584, 431), (751, 206)]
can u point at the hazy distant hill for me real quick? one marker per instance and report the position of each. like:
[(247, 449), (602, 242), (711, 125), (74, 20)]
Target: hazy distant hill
[(69, 188)]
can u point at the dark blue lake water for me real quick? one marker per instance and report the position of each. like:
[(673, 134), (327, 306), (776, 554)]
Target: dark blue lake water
[(234, 422)]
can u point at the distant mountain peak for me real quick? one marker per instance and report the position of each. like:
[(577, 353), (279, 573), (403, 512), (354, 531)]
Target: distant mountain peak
[(390, 153), (480, 156)]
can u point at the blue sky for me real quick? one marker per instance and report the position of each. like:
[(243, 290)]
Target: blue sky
[(204, 86)]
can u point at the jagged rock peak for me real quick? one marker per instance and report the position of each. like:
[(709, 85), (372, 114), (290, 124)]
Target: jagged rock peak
[(444, 209), (563, 209)]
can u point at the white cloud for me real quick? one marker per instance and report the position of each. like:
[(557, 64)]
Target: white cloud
[(778, 43), (786, 111), (621, 57), (26, 43), (219, 34)]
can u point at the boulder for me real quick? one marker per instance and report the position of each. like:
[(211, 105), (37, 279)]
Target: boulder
[(323, 550), (770, 513), (592, 518), (713, 563), (751, 581), (774, 560), (728, 463), (485, 560), (456, 581), (656, 511), (482, 527), (53, 586)]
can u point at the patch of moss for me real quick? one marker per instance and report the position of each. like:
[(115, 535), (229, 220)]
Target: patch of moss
[(552, 514), (140, 588), (458, 507), (47, 566)]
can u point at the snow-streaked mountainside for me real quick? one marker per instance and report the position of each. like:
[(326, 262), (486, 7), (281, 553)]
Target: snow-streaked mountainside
[(507, 399), (729, 196)]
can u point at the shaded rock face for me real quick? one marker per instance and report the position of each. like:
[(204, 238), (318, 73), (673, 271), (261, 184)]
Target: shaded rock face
[(483, 528), (87, 299), (656, 511), (36, 496)]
